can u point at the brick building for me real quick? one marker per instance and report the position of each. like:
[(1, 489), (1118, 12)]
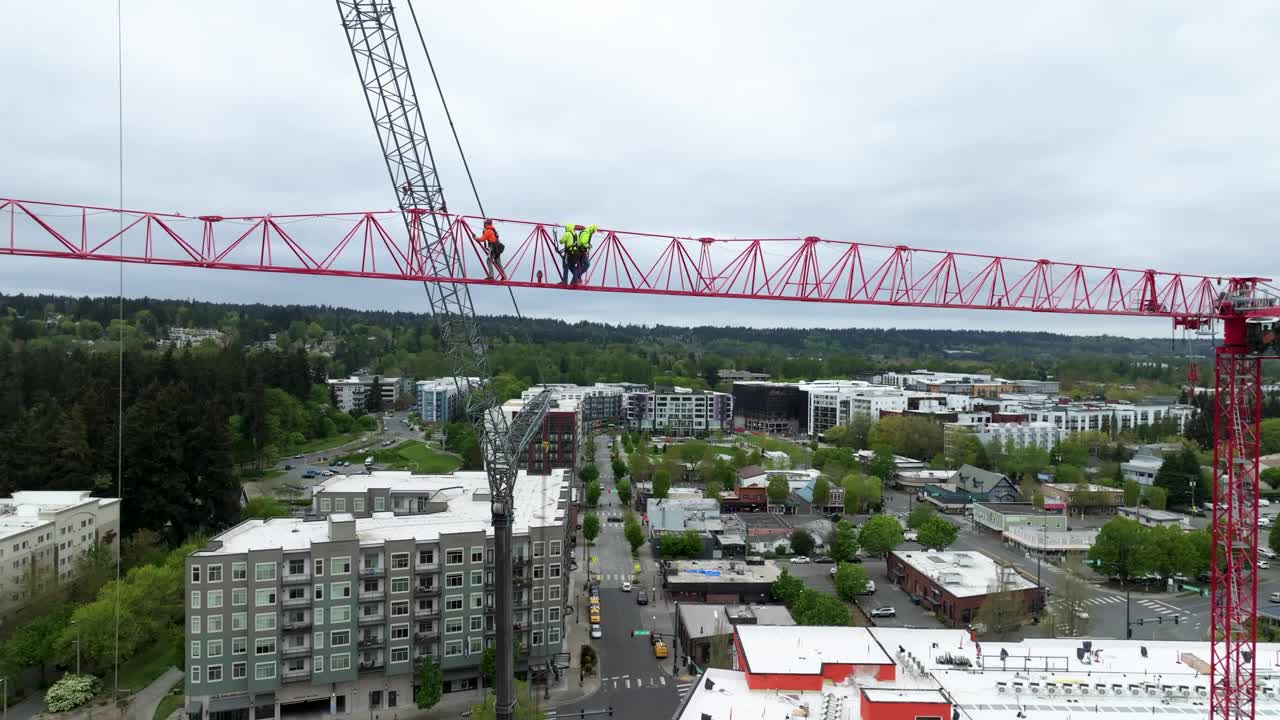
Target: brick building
[(955, 584)]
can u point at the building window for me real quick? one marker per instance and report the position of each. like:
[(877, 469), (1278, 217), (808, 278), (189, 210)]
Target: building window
[(426, 557), (265, 597), (477, 554), (453, 557), (399, 561), (263, 572), (319, 592), (317, 663), (339, 504), (379, 504), (453, 580), (339, 591), (215, 624), (477, 578), (195, 624), (453, 648), (555, 548), (340, 662), (537, 549), (537, 594), (326, 505), (399, 632), (195, 571), (400, 585), (339, 638), (264, 621), (400, 655), (553, 635), (399, 608), (195, 674), (553, 592), (317, 639), (453, 626), (195, 649), (537, 616), (340, 614), (453, 602), (215, 575), (475, 646), (340, 566), (264, 671), (195, 599), (265, 646), (238, 670), (537, 638), (239, 596), (357, 505), (477, 623), (239, 571), (539, 572), (553, 570), (477, 601), (553, 614), (214, 673)]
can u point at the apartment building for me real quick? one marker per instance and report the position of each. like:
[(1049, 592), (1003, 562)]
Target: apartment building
[(836, 405), (556, 443), (352, 394), (1038, 434), (1103, 416), (43, 535), (769, 407), (400, 492), (332, 616), (599, 403), (675, 410), (440, 400)]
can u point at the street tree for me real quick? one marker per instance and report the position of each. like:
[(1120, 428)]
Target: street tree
[(1178, 476), (1271, 476), (32, 643), (591, 527), (786, 588), (880, 535), (860, 492), (821, 492), (526, 708), (1132, 491), (1115, 549), (815, 608), (1005, 609), (1157, 498), (919, 514), (589, 473), (619, 469), (801, 541), (778, 490), (712, 489), (851, 581), (593, 494), (634, 534), (639, 465), (624, 492), (844, 542), (883, 465), (661, 482), (937, 533), (1071, 609)]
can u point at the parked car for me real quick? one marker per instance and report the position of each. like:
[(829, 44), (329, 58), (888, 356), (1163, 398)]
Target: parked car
[(870, 588), (1264, 565), (800, 560), (626, 586), (287, 466), (1275, 597), (596, 632), (825, 559), (833, 571), (886, 611), (910, 536), (642, 598)]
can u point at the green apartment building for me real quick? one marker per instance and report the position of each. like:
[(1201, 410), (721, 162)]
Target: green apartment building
[(333, 614)]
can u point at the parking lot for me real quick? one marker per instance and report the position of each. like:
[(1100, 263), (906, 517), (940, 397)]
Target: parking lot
[(818, 577)]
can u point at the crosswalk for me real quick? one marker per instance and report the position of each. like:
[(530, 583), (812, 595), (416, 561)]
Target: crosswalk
[(1159, 606), (1105, 600), (633, 682)]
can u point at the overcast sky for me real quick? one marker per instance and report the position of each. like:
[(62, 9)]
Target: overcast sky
[(1139, 134)]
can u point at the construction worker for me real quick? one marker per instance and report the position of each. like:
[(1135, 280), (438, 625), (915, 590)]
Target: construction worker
[(489, 240), (568, 252), (584, 248)]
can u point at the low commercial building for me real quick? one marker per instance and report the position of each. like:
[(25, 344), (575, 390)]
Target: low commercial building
[(1049, 543), (43, 536), (1155, 518), (1142, 469), (1000, 517), (880, 673), (955, 584), (700, 626), (356, 393), (1082, 496), (732, 582), (968, 486), (669, 516), (441, 400), (918, 479), (334, 615)]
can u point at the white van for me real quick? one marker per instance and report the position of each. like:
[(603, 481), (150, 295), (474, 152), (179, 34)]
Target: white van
[(1267, 553)]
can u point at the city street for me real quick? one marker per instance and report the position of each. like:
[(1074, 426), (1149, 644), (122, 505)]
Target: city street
[(633, 681)]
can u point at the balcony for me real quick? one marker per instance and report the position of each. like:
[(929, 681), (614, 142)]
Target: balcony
[(291, 625), (295, 578), (295, 650), (427, 569), (295, 675), (368, 642), (372, 665), (522, 601), (371, 595), (371, 619), (371, 572), (426, 612), (428, 590), (427, 636), (296, 601)]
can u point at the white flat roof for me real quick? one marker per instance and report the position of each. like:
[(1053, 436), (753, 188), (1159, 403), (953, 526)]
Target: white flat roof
[(536, 501), (962, 573), (802, 650), (403, 481)]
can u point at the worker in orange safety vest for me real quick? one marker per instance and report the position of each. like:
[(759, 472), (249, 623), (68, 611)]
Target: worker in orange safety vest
[(489, 240)]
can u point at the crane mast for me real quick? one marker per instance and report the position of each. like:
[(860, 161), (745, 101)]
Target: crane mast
[(378, 52)]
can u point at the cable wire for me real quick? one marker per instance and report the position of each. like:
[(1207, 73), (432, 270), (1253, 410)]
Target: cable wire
[(120, 350)]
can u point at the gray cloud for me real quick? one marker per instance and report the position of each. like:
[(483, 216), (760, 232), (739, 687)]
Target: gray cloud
[(1135, 134)]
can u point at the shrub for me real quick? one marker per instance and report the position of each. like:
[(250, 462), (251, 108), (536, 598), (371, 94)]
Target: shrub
[(71, 692)]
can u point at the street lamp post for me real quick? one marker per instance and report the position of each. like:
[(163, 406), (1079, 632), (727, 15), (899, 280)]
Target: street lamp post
[(4, 693), (77, 642), (675, 640)]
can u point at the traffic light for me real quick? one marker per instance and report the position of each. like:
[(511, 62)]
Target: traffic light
[(610, 711), (1141, 620), (1175, 619), (1128, 633)]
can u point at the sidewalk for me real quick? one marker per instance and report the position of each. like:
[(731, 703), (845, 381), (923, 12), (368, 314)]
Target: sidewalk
[(143, 705)]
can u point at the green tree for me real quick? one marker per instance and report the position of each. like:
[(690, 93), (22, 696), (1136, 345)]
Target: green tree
[(779, 490), (786, 588), (589, 473), (1005, 610), (1273, 538), (815, 608), (937, 533), (821, 492), (919, 514), (525, 709), (851, 581), (860, 492), (844, 542), (1270, 438), (624, 492), (263, 507), (1132, 491), (1178, 475), (635, 536), (1071, 616), (430, 685), (593, 494), (1157, 498), (880, 535), (908, 435), (801, 541), (619, 469), (32, 643), (1271, 476), (938, 462), (590, 527), (883, 465), (639, 466), (661, 483), (1116, 548)]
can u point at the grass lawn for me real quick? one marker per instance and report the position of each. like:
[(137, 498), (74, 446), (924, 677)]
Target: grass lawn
[(150, 663), (325, 443), (168, 705), (256, 475), (413, 455)]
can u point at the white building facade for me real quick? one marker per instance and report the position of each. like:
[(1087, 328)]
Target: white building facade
[(439, 399), (675, 410)]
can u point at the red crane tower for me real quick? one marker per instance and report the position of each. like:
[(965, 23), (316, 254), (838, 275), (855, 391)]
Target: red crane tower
[(802, 269)]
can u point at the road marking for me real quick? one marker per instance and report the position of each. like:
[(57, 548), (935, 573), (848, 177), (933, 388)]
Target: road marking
[(663, 678), (627, 684)]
